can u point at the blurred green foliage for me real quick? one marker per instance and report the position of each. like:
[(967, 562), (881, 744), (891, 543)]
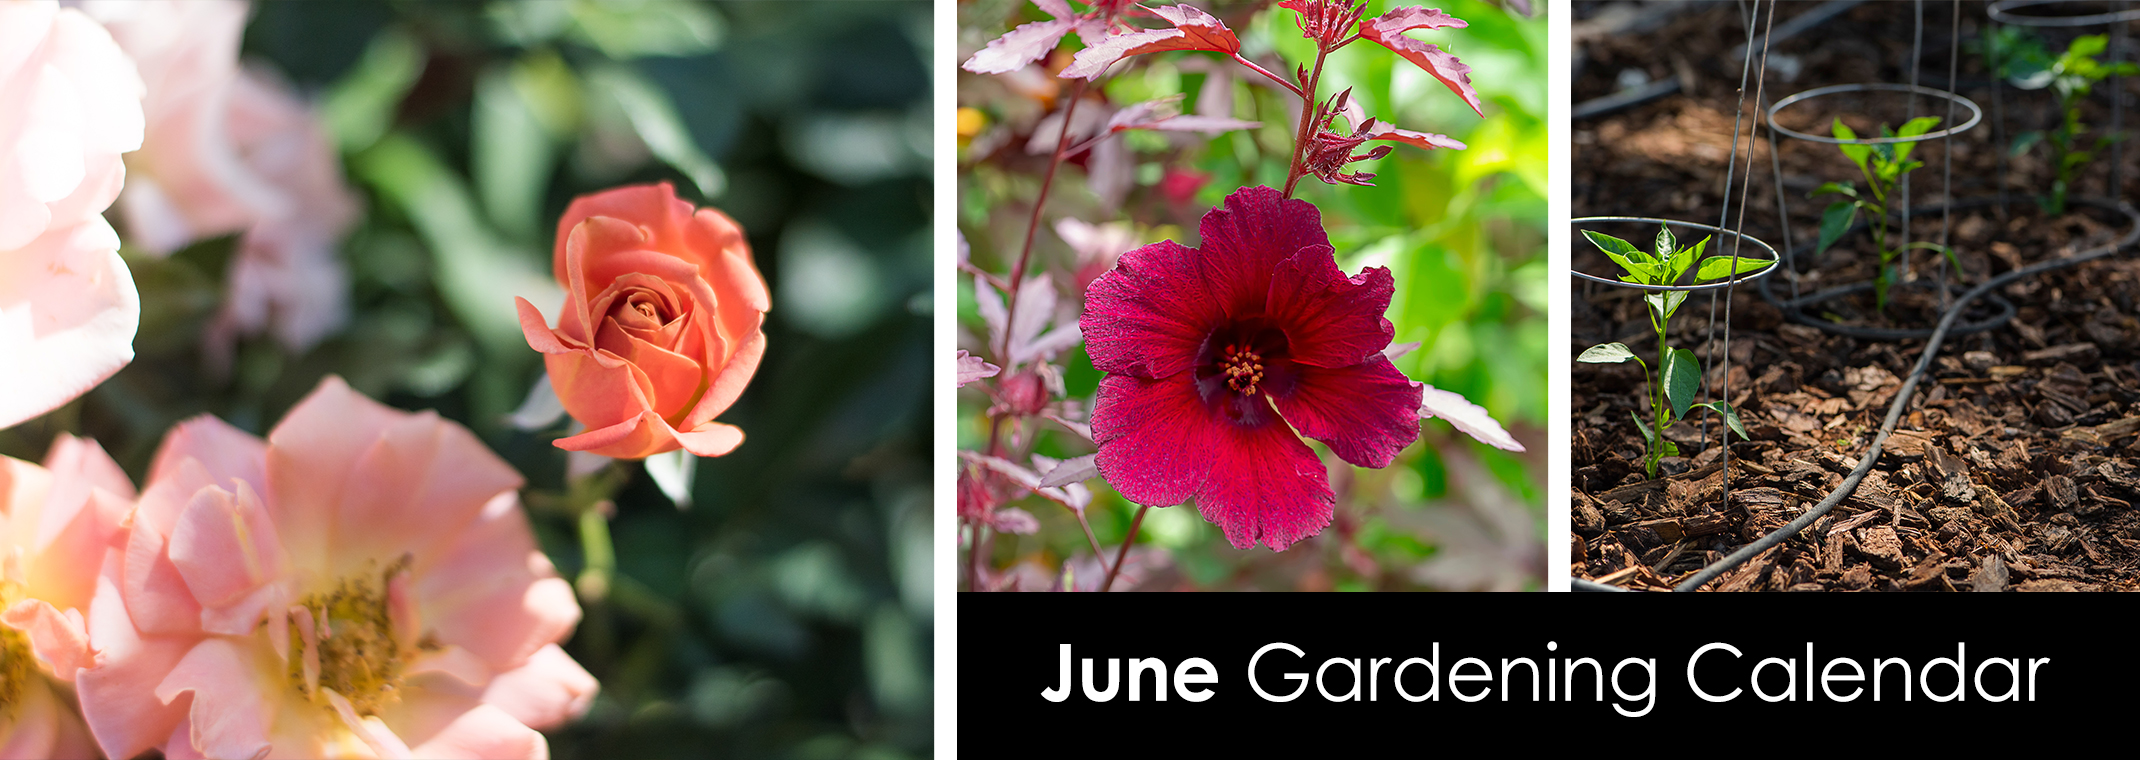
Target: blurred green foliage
[(1463, 232), (787, 613)]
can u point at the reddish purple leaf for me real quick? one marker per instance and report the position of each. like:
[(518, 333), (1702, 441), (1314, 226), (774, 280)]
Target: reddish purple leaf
[(1019, 48), (972, 368), (1025, 44), (1193, 30), (1468, 417), (1428, 140), (1388, 31)]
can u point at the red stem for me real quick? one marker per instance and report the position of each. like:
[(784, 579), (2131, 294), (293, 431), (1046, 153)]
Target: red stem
[(1062, 143), (1309, 110), (1123, 553)]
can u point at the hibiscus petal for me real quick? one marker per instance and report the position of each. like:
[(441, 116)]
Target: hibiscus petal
[(1246, 239), (549, 690), (1157, 438), (1149, 316), (1265, 485), (1365, 412), (1330, 320)]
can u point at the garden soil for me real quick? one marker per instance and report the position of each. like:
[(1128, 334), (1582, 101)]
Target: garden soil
[(2015, 466)]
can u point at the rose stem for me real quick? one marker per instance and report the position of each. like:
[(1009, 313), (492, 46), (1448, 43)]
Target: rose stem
[(1309, 109), (1123, 553)]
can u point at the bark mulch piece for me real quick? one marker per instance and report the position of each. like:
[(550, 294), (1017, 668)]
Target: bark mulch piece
[(2016, 464)]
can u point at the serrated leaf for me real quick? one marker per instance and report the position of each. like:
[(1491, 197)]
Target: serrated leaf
[(1720, 267), (1606, 353), (1682, 379), (1833, 222), (1073, 470)]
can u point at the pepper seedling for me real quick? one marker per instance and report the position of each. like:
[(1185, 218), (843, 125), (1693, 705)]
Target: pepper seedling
[(2072, 76), (1884, 165), (1673, 388)]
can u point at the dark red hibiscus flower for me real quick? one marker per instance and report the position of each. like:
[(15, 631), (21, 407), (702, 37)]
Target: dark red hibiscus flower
[(1216, 355)]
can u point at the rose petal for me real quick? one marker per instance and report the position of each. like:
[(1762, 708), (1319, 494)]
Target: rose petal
[(68, 308), (233, 709), (493, 593), (118, 695), (544, 693), (61, 640)]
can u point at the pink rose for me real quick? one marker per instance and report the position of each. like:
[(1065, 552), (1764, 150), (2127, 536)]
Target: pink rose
[(70, 103), (59, 520), (231, 150), (662, 325), (361, 583)]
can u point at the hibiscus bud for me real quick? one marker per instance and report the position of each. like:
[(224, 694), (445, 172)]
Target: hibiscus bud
[(662, 325), (1023, 394)]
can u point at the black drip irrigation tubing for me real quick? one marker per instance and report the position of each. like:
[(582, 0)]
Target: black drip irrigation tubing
[(1894, 410)]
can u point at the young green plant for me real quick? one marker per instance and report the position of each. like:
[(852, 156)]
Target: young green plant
[(1883, 165), (2072, 76), (1679, 376)]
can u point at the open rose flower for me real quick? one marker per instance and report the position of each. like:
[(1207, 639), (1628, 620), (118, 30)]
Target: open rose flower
[(662, 325), (234, 150), (362, 583), (1215, 356), (58, 521), (70, 103)]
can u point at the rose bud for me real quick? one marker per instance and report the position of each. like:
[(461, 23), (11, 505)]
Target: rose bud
[(662, 324)]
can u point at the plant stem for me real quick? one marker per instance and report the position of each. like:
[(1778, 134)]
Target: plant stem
[(1025, 253), (1123, 554), (1310, 108)]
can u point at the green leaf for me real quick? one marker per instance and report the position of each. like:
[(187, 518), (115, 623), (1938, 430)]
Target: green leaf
[(1627, 256), (1833, 221), (1720, 267), (1665, 302), (1841, 188), (2024, 141), (1856, 153), (1682, 379), (1648, 436), (653, 117), (1912, 128), (1606, 353), (1664, 242), (1731, 417), (1683, 260)]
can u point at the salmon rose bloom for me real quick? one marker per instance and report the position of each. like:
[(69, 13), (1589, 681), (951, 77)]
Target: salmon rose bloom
[(662, 325), (70, 104), (58, 520), (363, 583)]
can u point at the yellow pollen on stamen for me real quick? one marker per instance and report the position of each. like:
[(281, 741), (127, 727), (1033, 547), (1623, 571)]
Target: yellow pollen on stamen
[(16, 664), (1243, 368), (359, 657)]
